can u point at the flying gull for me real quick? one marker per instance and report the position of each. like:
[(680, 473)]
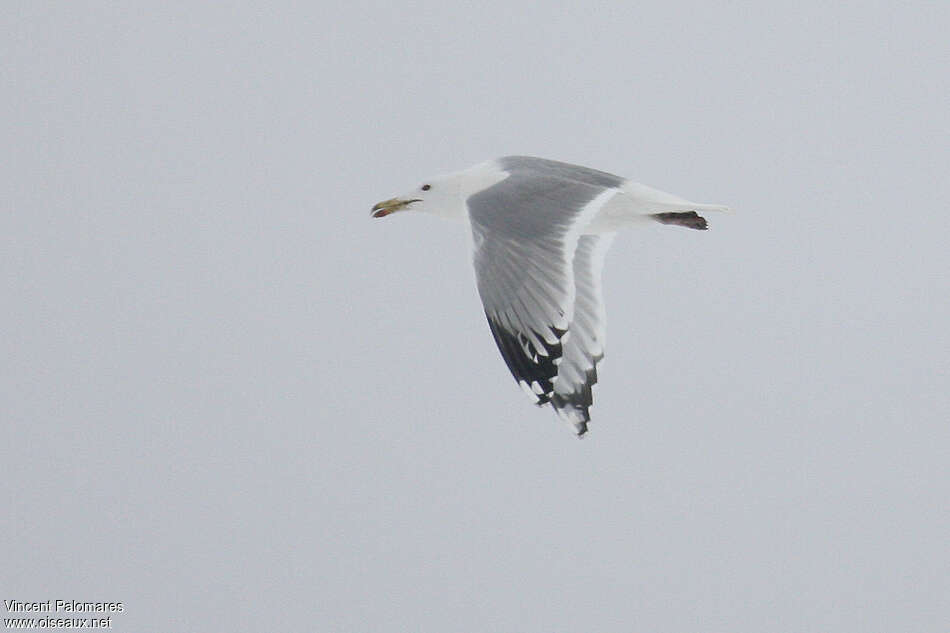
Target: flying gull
[(540, 232)]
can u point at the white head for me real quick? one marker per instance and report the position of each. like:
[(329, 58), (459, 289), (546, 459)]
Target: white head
[(445, 195)]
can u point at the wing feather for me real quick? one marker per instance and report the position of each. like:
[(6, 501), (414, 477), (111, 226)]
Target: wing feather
[(577, 372), (525, 241)]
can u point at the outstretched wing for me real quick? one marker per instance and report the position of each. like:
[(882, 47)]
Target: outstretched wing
[(526, 229), (584, 348)]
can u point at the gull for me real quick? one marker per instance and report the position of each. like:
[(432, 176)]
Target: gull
[(540, 230)]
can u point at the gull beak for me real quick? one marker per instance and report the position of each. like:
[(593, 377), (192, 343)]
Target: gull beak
[(384, 208)]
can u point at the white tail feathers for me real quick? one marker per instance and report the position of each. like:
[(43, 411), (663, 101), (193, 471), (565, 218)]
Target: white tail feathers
[(718, 208), (649, 201)]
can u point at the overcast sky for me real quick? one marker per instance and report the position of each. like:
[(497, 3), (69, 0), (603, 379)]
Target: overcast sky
[(234, 402)]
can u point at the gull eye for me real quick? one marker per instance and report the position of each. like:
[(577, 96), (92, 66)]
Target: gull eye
[(426, 187)]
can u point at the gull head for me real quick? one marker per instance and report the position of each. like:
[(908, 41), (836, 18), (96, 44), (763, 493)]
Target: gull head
[(432, 196), (443, 196)]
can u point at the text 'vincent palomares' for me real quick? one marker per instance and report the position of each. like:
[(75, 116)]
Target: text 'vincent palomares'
[(62, 606)]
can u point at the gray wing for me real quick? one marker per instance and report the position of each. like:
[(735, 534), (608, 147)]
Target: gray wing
[(584, 348), (525, 231)]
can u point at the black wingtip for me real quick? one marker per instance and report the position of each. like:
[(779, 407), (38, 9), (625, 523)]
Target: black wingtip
[(540, 370)]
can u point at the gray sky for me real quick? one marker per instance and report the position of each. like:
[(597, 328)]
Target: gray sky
[(234, 402)]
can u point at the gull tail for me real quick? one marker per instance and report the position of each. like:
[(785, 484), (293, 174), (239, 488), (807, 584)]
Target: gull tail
[(667, 208), (650, 201)]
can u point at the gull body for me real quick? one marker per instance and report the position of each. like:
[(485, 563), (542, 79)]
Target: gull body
[(541, 229)]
